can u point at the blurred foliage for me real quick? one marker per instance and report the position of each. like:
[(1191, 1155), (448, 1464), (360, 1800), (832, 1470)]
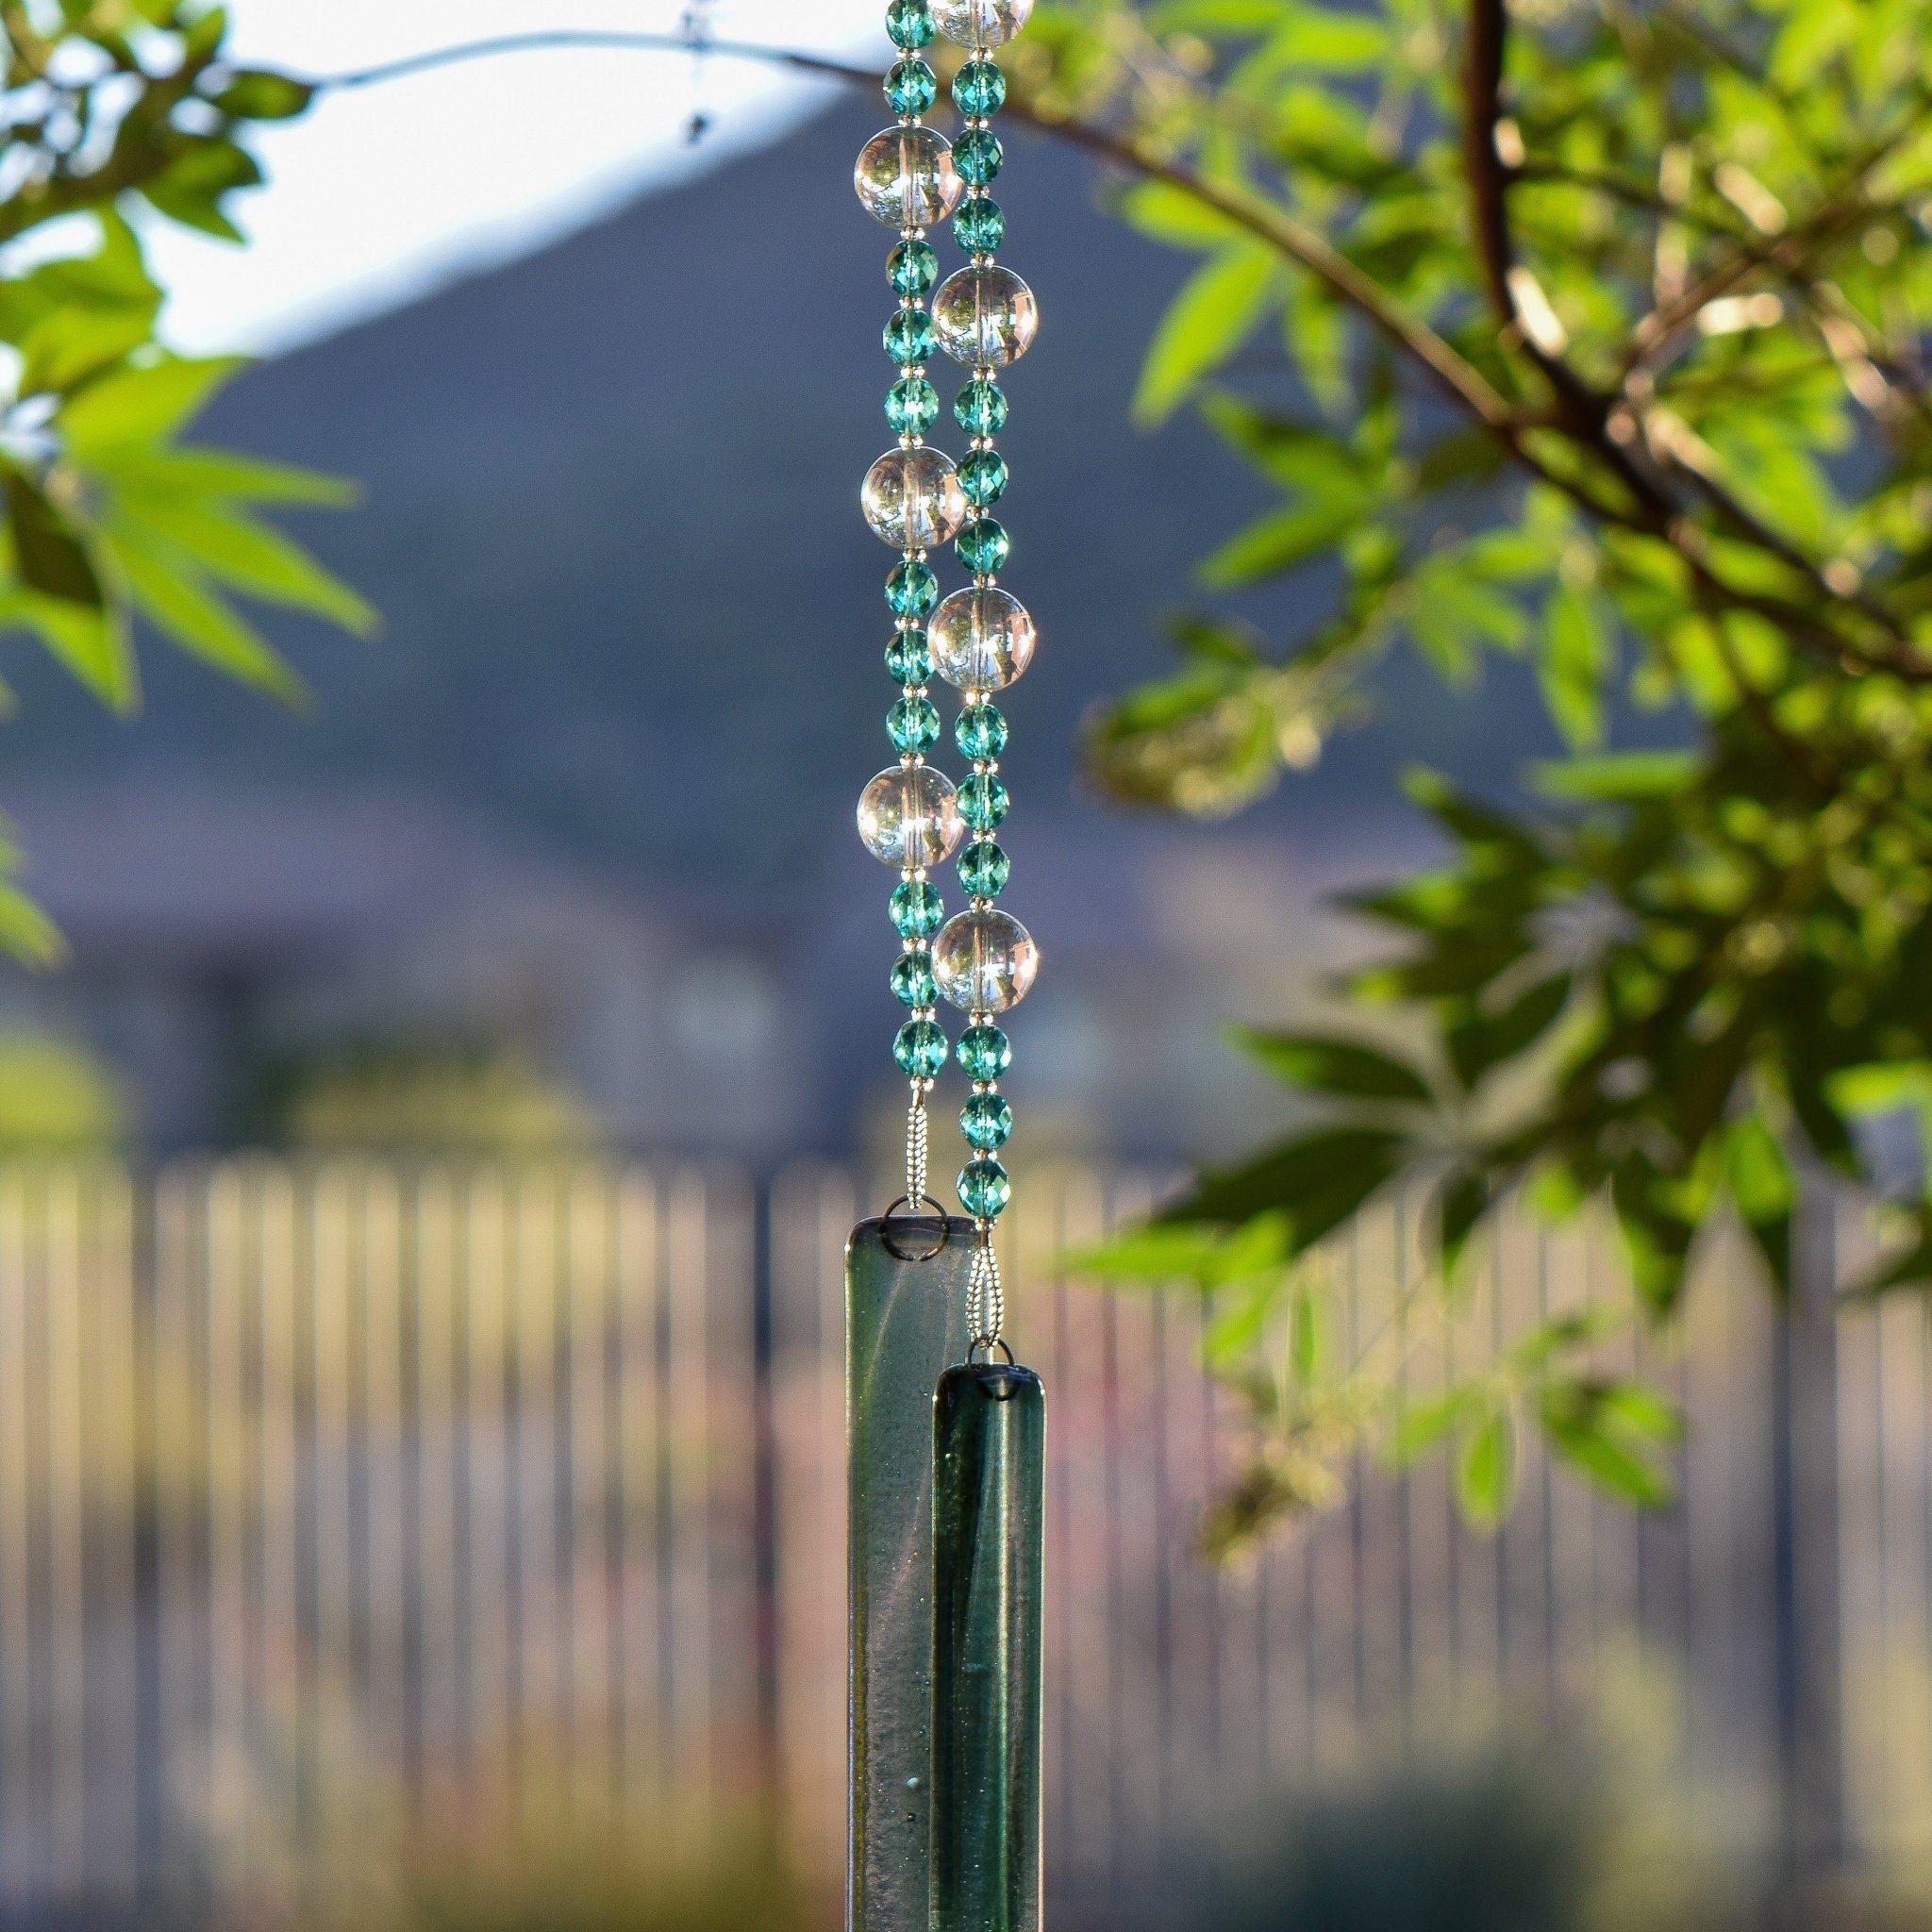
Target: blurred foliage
[(409, 1095), (118, 112), (1589, 332), (56, 1097)]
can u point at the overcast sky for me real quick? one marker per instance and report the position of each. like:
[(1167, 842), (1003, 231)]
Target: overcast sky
[(380, 192)]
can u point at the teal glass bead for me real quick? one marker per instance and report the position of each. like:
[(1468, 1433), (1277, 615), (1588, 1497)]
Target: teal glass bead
[(917, 909), (913, 725), (911, 588), (985, 1052), (981, 732), (913, 268), (977, 157), (984, 546), (980, 408), (912, 87), (909, 24), (986, 1119), (984, 1188), (983, 801), (979, 226), (913, 406), (983, 475), (908, 658), (910, 339), (920, 1047), (979, 88), (984, 869), (913, 984)]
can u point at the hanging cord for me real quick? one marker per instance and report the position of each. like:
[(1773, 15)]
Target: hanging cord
[(986, 1300), (916, 1148)]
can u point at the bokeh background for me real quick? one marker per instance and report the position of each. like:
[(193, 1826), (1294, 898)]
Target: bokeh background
[(420, 1414)]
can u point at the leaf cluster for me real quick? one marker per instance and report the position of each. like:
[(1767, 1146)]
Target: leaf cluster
[(113, 110), (1596, 334)]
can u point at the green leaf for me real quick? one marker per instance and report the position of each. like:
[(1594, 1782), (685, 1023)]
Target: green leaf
[(1422, 1425), (193, 187), (1171, 214), (90, 642), (239, 551), (1618, 777), (1280, 541), (1461, 1202), (47, 552), (1216, 309), (1479, 1042), (256, 94), (137, 407), (1332, 1066), (1486, 1475), (1160, 1252), (27, 932), (220, 475), (1315, 1183), (168, 592), (1573, 665), (1603, 1430)]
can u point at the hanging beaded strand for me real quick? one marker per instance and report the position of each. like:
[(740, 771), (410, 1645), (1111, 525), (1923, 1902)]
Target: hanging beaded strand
[(908, 816), (982, 638)]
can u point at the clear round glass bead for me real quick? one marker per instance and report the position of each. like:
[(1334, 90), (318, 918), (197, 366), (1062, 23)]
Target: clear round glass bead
[(906, 177), (908, 816), (984, 960), (985, 317), (913, 498), (982, 638), (981, 23)]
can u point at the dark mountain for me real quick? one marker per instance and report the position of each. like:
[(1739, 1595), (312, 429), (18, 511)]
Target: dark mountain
[(610, 520)]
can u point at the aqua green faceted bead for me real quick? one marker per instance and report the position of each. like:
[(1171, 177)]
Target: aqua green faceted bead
[(984, 476), (912, 982), (909, 24), (979, 225), (985, 1052), (984, 1188), (913, 406), (913, 268), (984, 546), (977, 157), (983, 801), (910, 339), (986, 1119), (913, 725), (981, 732), (911, 87), (908, 658), (911, 588), (980, 408), (979, 88), (918, 911), (984, 869), (920, 1047)]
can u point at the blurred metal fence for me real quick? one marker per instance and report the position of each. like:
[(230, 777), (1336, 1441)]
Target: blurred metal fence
[(351, 1486)]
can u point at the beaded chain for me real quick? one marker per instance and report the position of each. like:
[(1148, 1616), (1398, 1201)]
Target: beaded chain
[(980, 638)]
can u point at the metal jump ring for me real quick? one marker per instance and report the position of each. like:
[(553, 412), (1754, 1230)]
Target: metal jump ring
[(907, 1202), (990, 1344)]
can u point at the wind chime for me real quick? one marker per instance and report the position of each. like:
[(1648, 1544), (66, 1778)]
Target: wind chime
[(945, 1430)]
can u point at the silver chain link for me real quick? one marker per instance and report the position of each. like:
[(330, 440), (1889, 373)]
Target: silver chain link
[(916, 1149), (986, 1299)]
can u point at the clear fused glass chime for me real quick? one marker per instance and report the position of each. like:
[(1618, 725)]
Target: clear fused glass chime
[(946, 1431)]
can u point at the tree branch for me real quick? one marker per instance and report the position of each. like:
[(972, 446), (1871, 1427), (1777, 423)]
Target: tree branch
[(1584, 411)]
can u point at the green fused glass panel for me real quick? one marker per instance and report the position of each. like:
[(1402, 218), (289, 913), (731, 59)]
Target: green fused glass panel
[(905, 1320), (989, 1459)]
